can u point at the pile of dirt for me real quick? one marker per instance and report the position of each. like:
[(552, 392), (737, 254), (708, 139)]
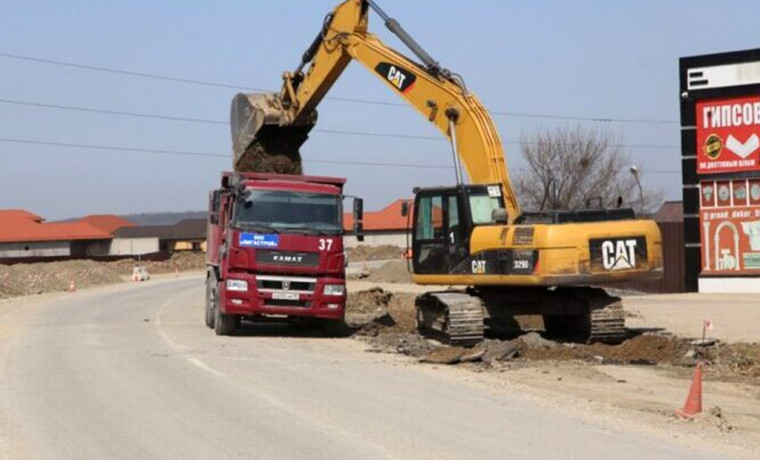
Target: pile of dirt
[(642, 349), (387, 321), (375, 311), (42, 277), (395, 271), (740, 360), (182, 261), (364, 252), (38, 278)]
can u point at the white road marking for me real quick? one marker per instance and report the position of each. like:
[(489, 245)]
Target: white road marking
[(200, 364), (335, 429)]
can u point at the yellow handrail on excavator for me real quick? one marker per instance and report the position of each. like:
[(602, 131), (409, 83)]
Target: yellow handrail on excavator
[(439, 95)]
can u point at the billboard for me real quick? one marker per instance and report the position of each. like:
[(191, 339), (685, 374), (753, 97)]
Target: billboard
[(728, 135), (729, 220)]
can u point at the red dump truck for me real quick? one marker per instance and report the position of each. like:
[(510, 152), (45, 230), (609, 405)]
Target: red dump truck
[(275, 250)]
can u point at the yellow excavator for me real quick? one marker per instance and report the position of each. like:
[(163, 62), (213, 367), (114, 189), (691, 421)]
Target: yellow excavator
[(471, 235)]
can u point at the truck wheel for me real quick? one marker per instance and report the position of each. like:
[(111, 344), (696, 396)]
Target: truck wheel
[(223, 324), (210, 301)]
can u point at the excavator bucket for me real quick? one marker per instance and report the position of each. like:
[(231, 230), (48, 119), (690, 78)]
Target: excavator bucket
[(263, 139)]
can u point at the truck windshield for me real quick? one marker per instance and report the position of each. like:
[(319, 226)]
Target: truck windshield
[(290, 211)]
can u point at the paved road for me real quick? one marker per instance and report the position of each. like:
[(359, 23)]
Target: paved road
[(130, 372)]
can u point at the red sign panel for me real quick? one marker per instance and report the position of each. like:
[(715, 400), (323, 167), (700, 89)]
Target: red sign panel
[(730, 227), (728, 135)]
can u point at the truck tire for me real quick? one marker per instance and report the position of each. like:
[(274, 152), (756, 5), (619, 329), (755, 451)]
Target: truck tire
[(210, 300), (223, 324)]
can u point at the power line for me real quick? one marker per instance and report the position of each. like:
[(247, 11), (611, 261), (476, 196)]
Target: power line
[(203, 154), (110, 112), (217, 155), (220, 122), (206, 83), (130, 73)]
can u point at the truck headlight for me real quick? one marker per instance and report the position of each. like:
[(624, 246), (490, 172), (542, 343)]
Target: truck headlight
[(237, 285), (334, 289)]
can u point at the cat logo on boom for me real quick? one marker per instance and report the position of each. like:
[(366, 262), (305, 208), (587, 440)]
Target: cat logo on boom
[(400, 78), (619, 254)]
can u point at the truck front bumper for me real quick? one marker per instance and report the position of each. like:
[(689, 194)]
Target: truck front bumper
[(275, 295)]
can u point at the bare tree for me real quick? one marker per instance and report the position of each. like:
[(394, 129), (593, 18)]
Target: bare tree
[(581, 168)]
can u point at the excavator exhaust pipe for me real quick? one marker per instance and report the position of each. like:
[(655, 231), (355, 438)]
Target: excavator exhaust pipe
[(264, 140)]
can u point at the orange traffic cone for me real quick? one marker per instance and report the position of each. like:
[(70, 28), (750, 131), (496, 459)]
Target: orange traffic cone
[(72, 286), (693, 404)]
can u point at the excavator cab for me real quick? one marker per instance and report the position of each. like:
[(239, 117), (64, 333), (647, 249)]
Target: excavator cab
[(444, 218)]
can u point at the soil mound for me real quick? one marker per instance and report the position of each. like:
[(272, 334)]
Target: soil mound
[(395, 271), (364, 252), (376, 311), (38, 278)]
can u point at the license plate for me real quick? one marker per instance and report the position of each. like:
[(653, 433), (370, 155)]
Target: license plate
[(285, 296)]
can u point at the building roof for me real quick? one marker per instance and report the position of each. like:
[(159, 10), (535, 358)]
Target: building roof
[(107, 222), (670, 211), (388, 218), (186, 229), (17, 226)]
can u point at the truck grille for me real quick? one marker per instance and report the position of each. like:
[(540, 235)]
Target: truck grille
[(286, 284), (288, 303)]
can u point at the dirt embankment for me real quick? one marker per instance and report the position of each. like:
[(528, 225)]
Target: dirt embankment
[(42, 277), (387, 321), (395, 271), (365, 253)]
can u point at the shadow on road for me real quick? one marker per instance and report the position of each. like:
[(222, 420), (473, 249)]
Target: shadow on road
[(311, 329)]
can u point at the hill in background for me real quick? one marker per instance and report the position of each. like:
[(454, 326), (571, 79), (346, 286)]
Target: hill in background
[(162, 218)]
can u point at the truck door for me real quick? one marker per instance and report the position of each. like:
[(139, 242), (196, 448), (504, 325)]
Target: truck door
[(441, 235)]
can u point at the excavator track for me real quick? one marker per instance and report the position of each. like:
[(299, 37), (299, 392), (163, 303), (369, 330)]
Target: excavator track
[(598, 317), (578, 314), (606, 318), (454, 317)]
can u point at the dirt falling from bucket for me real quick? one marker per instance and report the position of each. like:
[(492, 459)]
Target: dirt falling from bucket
[(271, 157)]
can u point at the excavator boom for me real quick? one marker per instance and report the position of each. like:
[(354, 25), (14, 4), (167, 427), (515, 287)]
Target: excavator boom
[(276, 125)]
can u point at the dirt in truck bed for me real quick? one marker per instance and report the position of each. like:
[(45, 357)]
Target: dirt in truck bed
[(386, 321)]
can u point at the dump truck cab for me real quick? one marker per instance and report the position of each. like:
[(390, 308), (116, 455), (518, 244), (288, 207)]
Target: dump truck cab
[(275, 249)]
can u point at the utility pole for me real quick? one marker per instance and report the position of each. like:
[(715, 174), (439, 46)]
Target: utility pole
[(635, 172)]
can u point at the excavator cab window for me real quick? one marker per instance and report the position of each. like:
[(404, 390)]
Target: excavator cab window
[(443, 221), (441, 231)]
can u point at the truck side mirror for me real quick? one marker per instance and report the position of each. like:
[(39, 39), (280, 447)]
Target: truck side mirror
[(358, 219), (404, 208), (499, 215)]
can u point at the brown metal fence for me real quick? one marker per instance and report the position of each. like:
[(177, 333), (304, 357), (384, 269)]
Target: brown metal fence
[(673, 279)]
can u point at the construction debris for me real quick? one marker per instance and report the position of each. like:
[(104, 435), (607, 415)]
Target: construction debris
[(387, 321)]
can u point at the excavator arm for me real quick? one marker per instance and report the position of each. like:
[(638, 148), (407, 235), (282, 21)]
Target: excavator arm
[(278, 123)]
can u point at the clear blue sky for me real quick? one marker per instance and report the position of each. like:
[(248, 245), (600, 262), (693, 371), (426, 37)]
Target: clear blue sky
[(584, 58)]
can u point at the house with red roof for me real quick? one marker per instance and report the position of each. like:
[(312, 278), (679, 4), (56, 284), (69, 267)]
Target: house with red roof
[(27, 236), (386, 226)]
